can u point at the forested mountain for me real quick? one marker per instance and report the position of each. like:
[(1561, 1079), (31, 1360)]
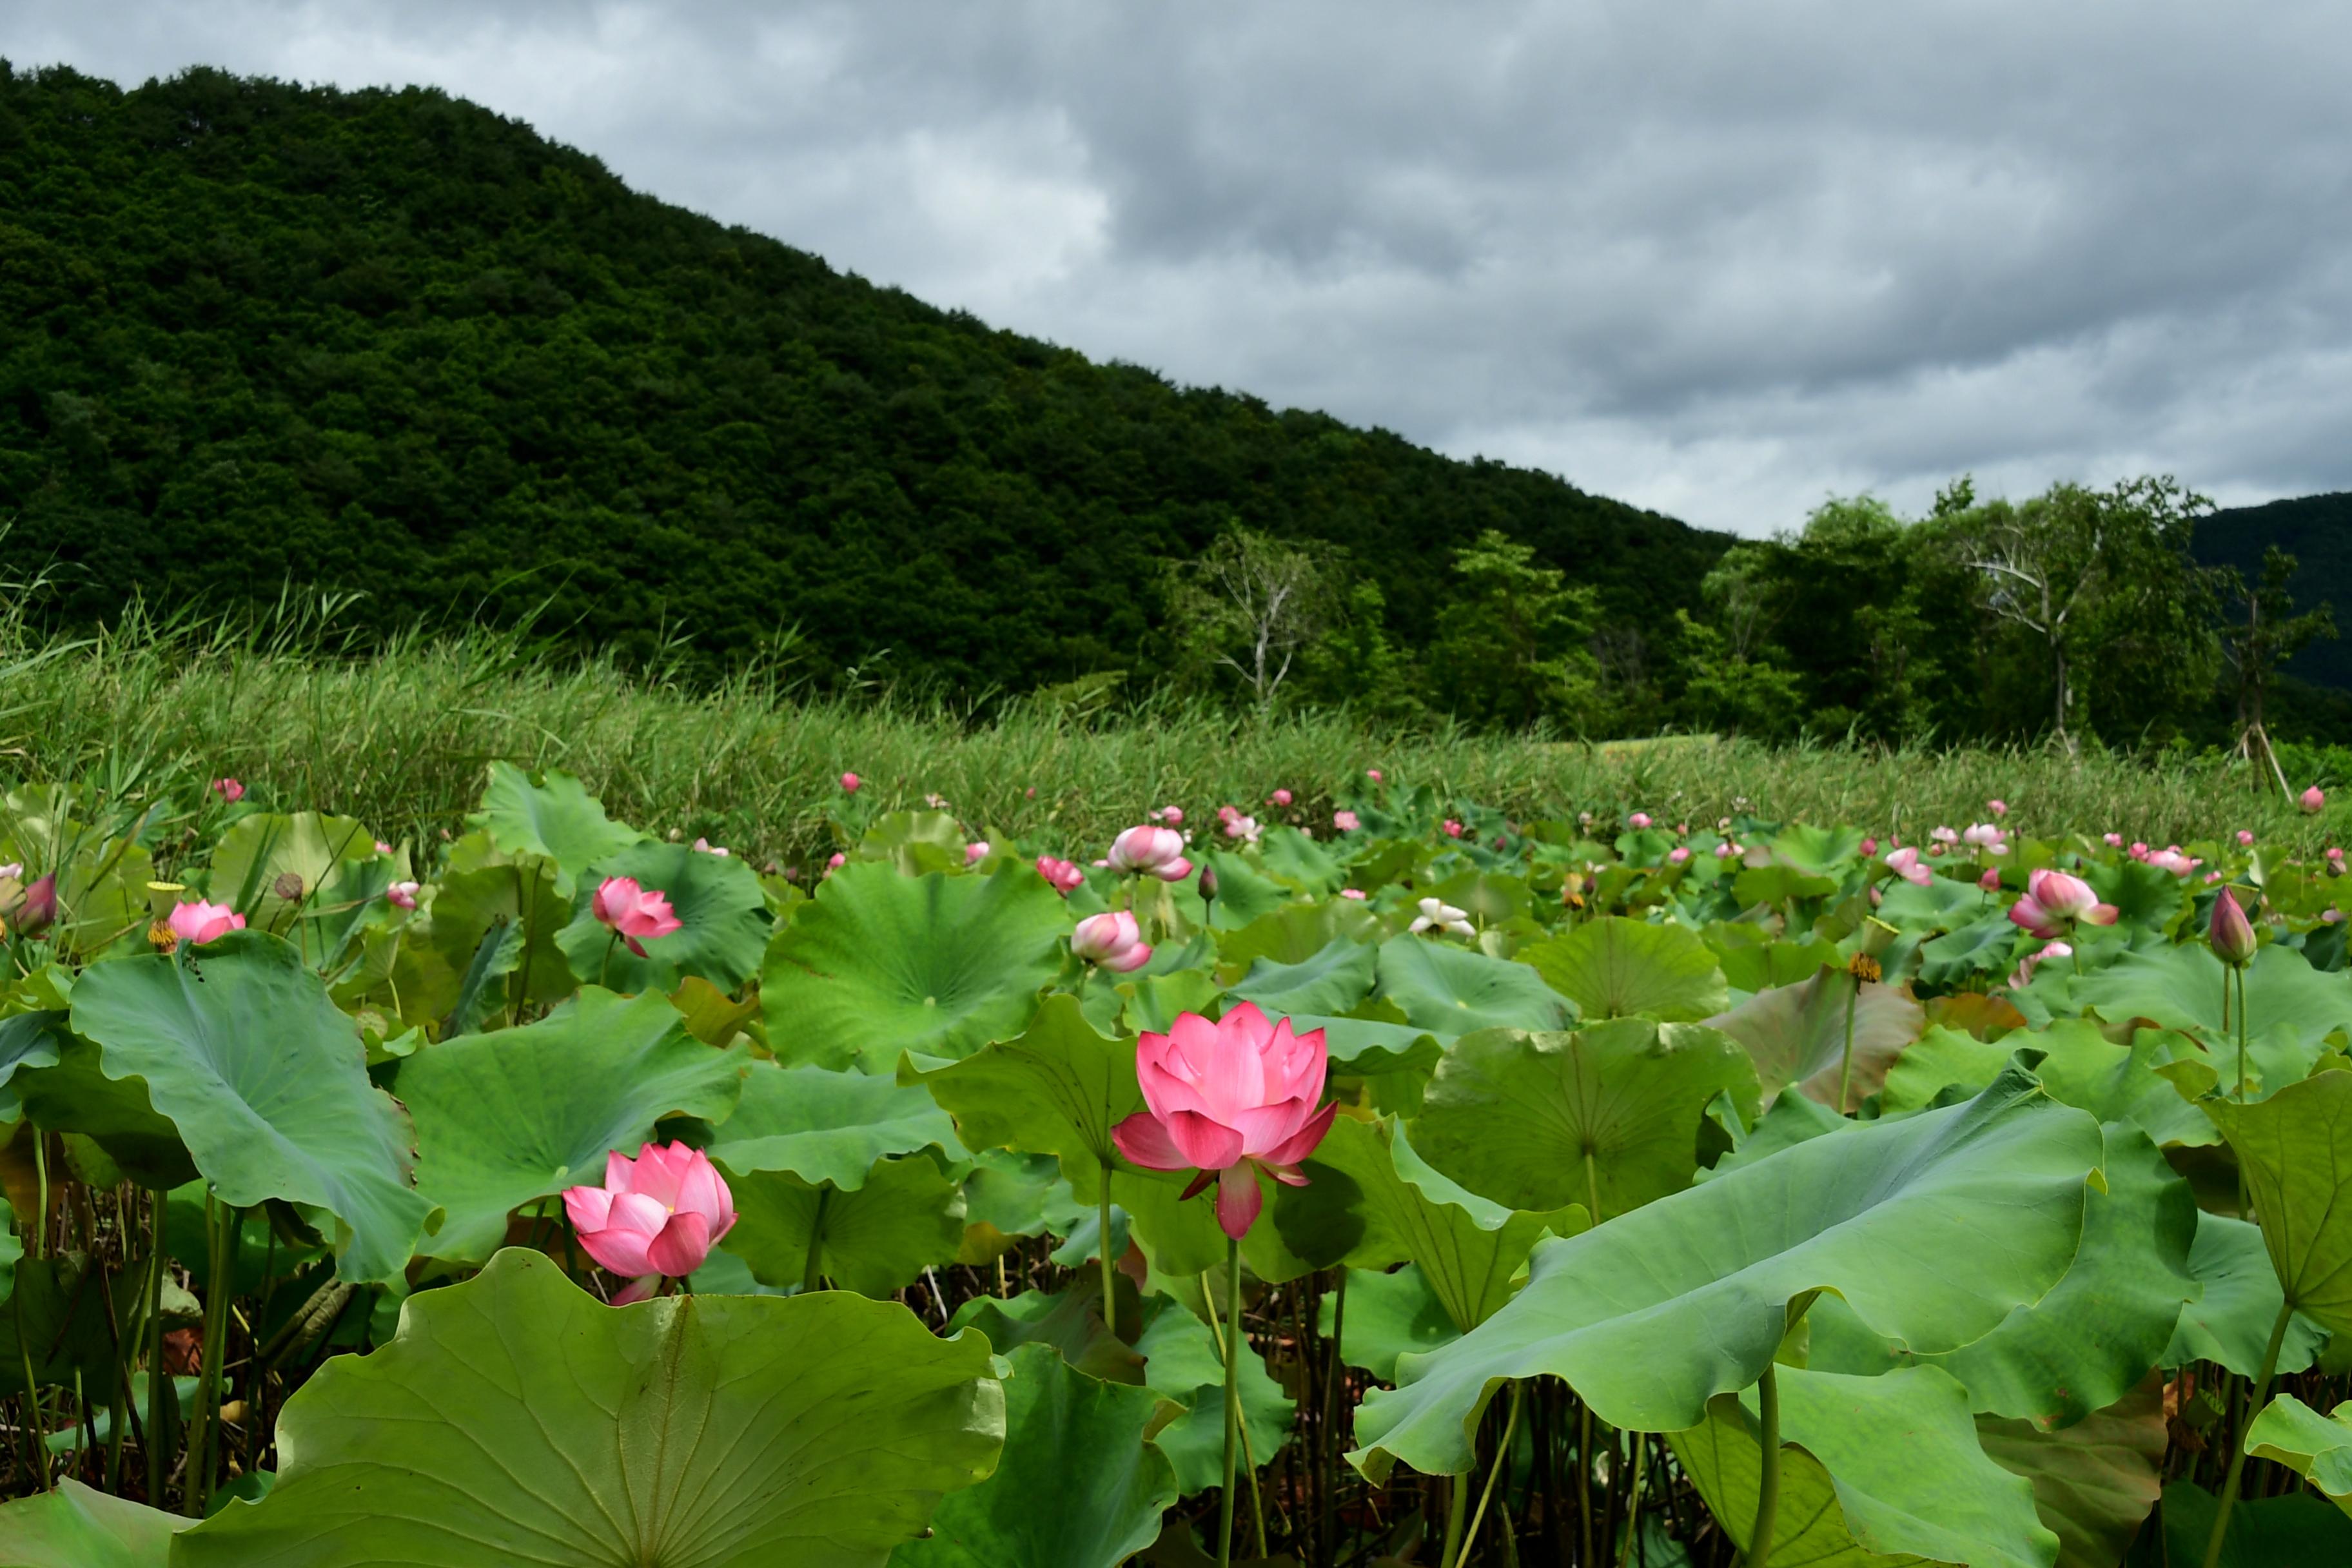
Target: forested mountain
[(388, 341), (2318, 531)]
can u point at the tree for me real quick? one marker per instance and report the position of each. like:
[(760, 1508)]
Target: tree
[(2271, 634), (1511, 646), (1248, 603)]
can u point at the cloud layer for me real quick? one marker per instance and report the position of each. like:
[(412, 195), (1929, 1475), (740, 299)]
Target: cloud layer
[(1717, 259)]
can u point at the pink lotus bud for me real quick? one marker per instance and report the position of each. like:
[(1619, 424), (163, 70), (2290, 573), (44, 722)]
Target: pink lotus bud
[(1998, 807), (38, 910), (1990, 880), (2171, 860), (1112, 941), (1150, 851), (1345, 821), (1032, 793), (382, 847), (837, 862), (2314, 799), (1639, 821), (230, 791), (1356, 893), (1869, 847), (1453, 828), (1207, 884), (1173, 816), (658, 1214), (2245, 838), (975, 852), (401, 895), (1280, 797), (1373, 774), (1678, 854), (1228, 1099), (2115, 840), (2138, 850), (636, 914), (705, 847), (2231, 934), (1905, 863), (1062, 876), (849, 782), (200, 923)]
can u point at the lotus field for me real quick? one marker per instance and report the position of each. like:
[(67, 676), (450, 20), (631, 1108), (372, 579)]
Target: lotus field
[(1400, 1185)]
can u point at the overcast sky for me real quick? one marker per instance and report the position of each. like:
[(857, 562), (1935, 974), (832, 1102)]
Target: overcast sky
[(1722, 260)]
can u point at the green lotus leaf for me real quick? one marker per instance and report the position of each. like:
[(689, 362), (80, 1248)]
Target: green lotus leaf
[(878, 964), (1012, 1195), (1488, 897), (56, 1325), (1058, 1089), (2093, 1337), (554, 818), (1290, 855), (1245, 894), (2316, 1448), (1934, 1228), (1078, 1487), (1388, 1316), (1778, 886), (1872, 1470), (1181, 1363), (1333, 981), (2296, 1530), (1944, 1059), (1796, 1036), (826, 1126), (1452, 990), (722, 922), (2296, 1151), (2180, 988), (75, 1096), (2231, 1323), (508, 1118), (1984, 947), (1607, 1116), (517, 1419), (488, 945), (241, 1049), (1068, 1322), (904, 1218), (2095, 1481), (258, 852), (1752, 962), (1617, 968), (2144, 895), (76, 1527), (1940, 904)]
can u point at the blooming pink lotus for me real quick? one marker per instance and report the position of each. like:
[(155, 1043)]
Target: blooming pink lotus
[(1639, 820), (657, 1214), (1998, 807), (401, 895), (1173, 815), (201, 922), (230, 791), (1678, 854), (2170, 858), (1987, 835), (1352, 892), (1228, 1099), (1245, 828), (1279, 797), (1346, 821), (2115, 840), (704, 847), (2314, 799), (1062, 876), (2032, 961), (1152, 852), (636, 914), (2054, 903), (1905, 863), (1453, 828), (1943, 834), (1112, 941), (975, 852), (2245, 838), (849, 782), (382, 847)]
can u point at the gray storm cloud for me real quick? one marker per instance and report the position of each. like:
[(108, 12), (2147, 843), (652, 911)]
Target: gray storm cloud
[(1721, 260)]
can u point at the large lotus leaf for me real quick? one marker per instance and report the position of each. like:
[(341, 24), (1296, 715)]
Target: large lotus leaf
[(2144, 895), (826, 1126), (1872, 1470), (1333, 981), (2231, 1323), (1940, 904), (1181, 1363), (1058, 1089), (1797, 1036), (1068, 1322), (1822, 851), (722, 922), (877, 965), (1933, 1228), (1375, 1047), (2079, 1065), (2093, 1337), (259, 852), (1752, 962), (1944, 1059), (1370, 1202), (2316, 1448), (1388, 1316), (1294, 933), (1452, 990), (76, 1527), (76, 1096), (103, 896), (515, 1418), (28, 1041), (1982, 948), (1607, 1116), (1078, 1487), (507, 1118), (240, 1048), (2295, 1530), (56, 1325), (2296, 1151), (2180, 988), (554, 818), (2094, 1482), (1288, 854), (1245, 894), (903, 1218), (1617, 968), (489, 943)]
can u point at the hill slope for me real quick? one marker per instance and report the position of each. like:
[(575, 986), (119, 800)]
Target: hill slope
[(389, 341), (2318, 531)]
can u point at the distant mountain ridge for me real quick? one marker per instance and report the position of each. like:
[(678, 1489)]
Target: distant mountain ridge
[(2318, 531), (388, 341)]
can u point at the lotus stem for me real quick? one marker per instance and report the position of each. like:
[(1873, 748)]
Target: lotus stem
[(2238, 1447), (1233, 1399), (1767, 1478), (155, 1440), (1633, 1501), (1457, 1512), (812, 1275), (1585, 1478), (30, 1427), (1845, 1064), (41, 1188), (222, 1224), (1110, 1296), (1494, 1473)]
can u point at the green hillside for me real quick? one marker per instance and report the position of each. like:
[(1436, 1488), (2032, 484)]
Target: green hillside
[(2318, 531), (392, 342)]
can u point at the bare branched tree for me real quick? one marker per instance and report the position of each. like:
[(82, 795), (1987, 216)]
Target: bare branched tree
[(1250, 603)]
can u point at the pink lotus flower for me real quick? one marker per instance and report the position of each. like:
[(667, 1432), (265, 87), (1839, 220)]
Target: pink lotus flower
[(2115, 840), (2311, 799), (39, 912), (1990, 880), (2138, 851), (1453, 828), (1905, 863), (1869, 847), (1725, 850), (1152, 852), (975, 852), (2026, 965), (1998, 807), (2245, 838), (657, 1214), (2336, 854), (1639, 820), (1345, 821), (1173, 816), (1373, 774), (1112, 941), (1943, 834), (2054, 902), (636, 914), (401, 895), (1062, 876), (230, 791), (837, 862), (1245, 828), (1279, 797), (2171, 859), (1986, 836), (201, 922), (1678, 854), (382, 847), (1352, 893), (704, 846), (849, 782), (1229, 1100)]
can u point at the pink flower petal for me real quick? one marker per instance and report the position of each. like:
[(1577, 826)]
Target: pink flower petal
[(1238, 1201), (1143, 1139), (682, 1245), (1209, 1144), (1305, 1141)]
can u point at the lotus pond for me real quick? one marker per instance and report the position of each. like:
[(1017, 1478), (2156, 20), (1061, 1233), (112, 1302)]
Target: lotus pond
[(1408, 1186)]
